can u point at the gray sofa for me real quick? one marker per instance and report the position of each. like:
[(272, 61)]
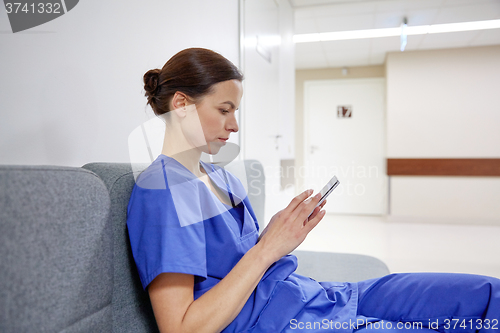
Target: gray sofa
[(66, 265)]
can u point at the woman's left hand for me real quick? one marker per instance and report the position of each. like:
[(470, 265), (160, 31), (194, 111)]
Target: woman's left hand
[(314, 213)]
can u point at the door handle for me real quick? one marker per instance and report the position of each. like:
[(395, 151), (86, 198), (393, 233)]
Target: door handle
[(276, 138)]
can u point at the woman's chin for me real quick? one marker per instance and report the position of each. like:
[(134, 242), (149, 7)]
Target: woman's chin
[(223, 154), (214, 147)]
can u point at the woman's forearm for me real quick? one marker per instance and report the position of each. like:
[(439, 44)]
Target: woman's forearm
[(218, 307)]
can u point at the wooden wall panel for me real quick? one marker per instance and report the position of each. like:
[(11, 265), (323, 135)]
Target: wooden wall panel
[(443, 166)]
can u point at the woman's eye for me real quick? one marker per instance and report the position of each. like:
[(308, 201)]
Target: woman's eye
[(224, 111)]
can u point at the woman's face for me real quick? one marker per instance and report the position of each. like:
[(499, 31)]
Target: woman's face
[(216, 112)]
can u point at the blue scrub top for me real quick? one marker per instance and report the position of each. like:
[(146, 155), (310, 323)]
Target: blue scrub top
[(176, 224)]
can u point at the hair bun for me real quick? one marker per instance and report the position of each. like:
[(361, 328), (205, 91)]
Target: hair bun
[(151, 82)]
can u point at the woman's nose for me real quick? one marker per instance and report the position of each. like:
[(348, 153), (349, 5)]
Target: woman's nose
[(232, 124)]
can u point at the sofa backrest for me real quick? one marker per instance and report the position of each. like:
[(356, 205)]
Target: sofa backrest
[(65, 259), (55, 249)]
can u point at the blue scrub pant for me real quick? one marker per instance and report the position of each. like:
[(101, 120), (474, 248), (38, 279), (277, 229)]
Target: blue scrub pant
[(441, 302)]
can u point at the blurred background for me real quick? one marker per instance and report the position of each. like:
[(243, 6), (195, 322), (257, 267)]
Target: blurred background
[(344, 87)]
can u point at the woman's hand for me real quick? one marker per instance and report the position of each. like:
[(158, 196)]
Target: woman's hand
[(314, 213), (290, 226)]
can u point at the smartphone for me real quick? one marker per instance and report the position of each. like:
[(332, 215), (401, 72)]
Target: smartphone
[(326, 190)]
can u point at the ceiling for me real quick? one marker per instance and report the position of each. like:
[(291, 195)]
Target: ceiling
[(312, 16)]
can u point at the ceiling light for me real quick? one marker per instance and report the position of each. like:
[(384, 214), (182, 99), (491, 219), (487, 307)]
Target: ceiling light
[(391, 32), (404, 35)]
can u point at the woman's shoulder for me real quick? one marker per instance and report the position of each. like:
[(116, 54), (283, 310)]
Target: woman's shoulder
[(166, 187), (162, 173)]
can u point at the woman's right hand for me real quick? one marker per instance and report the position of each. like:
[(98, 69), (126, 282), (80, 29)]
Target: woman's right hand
[(290, 226)]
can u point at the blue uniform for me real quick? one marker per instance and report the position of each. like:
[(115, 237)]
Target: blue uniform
[(176, 224)]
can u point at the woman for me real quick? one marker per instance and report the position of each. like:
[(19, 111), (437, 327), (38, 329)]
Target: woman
[(195, 239)]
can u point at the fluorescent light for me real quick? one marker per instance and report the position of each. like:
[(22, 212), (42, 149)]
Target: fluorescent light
[(404, 35), (343, 35), (391, 32)]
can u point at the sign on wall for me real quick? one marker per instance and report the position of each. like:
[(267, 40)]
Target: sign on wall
[(344, 111)]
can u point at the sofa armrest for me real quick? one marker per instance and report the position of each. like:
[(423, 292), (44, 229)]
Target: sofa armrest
[(56, 268)]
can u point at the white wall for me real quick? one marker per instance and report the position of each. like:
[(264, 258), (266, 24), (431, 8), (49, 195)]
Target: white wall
[(286, 81), (267, 107), (71, 90), (444, 104)]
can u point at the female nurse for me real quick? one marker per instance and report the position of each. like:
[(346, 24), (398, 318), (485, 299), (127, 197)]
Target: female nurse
[(195, 237)]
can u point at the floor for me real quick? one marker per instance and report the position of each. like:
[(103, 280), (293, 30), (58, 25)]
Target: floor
[(411, 247)]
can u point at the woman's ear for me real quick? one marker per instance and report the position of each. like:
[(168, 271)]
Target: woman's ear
[(179, 103)]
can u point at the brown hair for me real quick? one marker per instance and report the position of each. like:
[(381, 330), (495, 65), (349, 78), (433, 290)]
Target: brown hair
[(192, 71)]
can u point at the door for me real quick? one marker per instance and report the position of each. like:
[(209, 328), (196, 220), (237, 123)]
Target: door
[(344, 131)]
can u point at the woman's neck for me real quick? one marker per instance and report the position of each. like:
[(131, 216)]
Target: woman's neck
[(176, 147)]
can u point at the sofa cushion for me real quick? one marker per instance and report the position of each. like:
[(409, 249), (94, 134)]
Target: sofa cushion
[(340, 267), (132, 311), (55, 249)]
